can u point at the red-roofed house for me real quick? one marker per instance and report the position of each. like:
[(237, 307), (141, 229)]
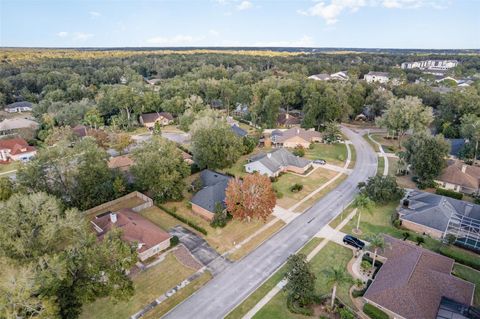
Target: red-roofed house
[(414, 281), (137, 230), (16, 149)]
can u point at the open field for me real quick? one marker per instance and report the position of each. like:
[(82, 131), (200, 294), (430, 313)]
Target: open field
[(149, 284), (335, 154), (311, 182), (258, 294), (331, 255)]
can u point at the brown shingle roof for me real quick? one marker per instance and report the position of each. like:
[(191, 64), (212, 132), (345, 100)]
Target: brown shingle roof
[(135, 229), (308, 136), (413, 281), (16, 146), (122, 161), (453, 174), (283, 119), (152, 117)]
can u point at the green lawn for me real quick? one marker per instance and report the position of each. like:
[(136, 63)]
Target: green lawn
[(381, 165), (331, 255), (388, 145), (372, 144), (335, 154), (149, 284), (258, 294), (472, 275), (310, 183), (9, 167)]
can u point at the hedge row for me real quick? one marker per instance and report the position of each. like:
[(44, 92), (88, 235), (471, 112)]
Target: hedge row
[(183, 220), (465, 258), (373, 312), (449, 193)]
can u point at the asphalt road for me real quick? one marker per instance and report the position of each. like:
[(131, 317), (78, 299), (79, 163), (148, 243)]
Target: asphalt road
[(228, 289)]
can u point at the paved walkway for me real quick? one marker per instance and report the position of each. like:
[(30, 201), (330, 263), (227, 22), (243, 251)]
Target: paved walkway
[(382, 154), (275, 290)]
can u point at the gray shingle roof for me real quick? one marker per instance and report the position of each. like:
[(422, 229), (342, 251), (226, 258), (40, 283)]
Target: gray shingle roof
[(238, 130), (279, 158), (213, 191), (19, 104), (434, 211)]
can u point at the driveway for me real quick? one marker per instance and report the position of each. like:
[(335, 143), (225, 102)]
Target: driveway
[(201, 250), (229, 288)]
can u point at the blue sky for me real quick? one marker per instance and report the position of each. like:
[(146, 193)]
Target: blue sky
[(432, 24)]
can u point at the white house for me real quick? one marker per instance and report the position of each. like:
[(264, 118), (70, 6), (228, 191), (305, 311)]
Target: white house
[(380, 77), (19, 107), (15, 149), (430, 64)]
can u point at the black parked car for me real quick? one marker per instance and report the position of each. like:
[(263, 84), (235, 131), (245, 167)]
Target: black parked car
[(353, 241)]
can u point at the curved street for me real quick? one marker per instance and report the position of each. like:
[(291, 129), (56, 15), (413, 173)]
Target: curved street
[(225, 291)]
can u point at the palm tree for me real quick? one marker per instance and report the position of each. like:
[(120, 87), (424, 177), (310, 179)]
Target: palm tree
[(377, 241), (336, 276), (363, 203)]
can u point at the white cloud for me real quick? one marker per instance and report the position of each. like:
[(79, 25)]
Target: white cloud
[(62, 34), (177, 40), (331, 10), (81, 36), (94, 14), (244, 5)]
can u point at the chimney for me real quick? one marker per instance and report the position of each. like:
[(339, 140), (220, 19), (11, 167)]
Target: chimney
[(113, 218), (269, 155), (464, 168)]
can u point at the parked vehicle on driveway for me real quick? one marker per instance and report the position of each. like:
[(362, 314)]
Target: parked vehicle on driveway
[(320, 161), (353, 241)]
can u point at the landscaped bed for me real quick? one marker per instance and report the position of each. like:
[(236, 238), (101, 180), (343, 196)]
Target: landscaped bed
[(331, 255), (149, 284)]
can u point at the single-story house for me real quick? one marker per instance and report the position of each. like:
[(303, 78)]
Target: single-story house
[(414, 283), (15, 149), (136, 230), (19, 107), (288, 120), (295, 137), (149, 119), (122, 162), (320, 77), (277, 161), (380, 77), (431, 213), (240, 132), (241, 109), (460, 177), (14, 125), (212, 193), (340, 76)]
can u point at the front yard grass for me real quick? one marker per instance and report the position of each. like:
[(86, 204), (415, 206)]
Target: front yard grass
[(149, 284), (331, 255), (311, 182), (388, 145), (9, 167), (335, 154), (308, 203), (471, 275), (181, 295), (256, 241), (268, 285)]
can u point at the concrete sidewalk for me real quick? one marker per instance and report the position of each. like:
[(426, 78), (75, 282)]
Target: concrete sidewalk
[(381, 154)]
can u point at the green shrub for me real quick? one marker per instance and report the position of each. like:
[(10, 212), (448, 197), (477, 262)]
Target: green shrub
[(358, 293), (278, 193), (295, 308), (299, 151), (183, 219), (397, 223), (365, 264), (460, 256), (373, 312), (448, 193), (346, 314), (295, 188), (174, 241)]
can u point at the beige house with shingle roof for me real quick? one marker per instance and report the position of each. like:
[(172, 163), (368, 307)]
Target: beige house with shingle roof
[(460, 177), (295, 137)]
